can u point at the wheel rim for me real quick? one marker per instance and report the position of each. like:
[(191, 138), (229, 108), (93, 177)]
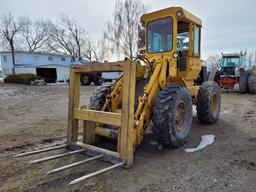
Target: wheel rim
[(85, 80), (180, 116), (214, 103)]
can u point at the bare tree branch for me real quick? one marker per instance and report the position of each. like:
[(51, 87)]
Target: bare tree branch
[(35, 33), (123, 31), (213, 61), (9, 28), (68, 37)]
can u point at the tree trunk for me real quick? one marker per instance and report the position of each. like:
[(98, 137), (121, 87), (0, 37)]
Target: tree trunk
[(13, 57)]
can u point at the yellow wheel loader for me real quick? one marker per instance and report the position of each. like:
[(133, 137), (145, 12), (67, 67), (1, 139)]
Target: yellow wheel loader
[(156, 89)]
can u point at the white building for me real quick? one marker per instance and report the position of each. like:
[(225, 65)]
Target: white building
[(51, 67)]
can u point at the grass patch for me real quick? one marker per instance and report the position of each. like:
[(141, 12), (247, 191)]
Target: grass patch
[(25, 78)]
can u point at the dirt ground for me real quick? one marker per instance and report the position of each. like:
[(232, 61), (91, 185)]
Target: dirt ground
[(35, 117)]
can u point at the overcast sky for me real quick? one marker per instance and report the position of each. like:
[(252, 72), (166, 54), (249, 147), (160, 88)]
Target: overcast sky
[(229, 25)]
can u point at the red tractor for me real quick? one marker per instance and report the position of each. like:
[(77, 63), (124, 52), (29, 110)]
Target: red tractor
[(234, 69)]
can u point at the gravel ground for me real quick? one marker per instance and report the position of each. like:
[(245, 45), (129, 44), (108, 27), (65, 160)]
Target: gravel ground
[(35, 117)]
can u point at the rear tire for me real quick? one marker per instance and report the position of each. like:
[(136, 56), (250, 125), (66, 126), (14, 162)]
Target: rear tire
[(243, 81), (172, 115), (98, 98), (208, 102), (252, 82), (85, 79)]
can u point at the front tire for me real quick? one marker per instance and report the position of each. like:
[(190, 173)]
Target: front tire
[(208, 102), (172, 115), (97, 101), (252, 82), (243, 81), (98, 98)]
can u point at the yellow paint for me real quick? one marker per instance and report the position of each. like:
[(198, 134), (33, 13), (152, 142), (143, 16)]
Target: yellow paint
[(162, 76), (153, 79)]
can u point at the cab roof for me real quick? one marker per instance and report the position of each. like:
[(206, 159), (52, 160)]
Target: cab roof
[(231, 54), (170, 11)]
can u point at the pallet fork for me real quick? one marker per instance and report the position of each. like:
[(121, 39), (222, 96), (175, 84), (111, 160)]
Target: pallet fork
[(123, 122)]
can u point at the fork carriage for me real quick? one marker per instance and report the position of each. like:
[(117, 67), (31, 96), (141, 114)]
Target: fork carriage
[(123, 121)]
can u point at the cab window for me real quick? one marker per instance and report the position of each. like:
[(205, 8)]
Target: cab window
[(183, 36), (230, 61), (197, 41), (159, 34)]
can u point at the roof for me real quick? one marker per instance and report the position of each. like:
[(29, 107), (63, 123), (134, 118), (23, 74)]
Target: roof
[(40, 65), (170, 11), (231, 54), (39, 53)]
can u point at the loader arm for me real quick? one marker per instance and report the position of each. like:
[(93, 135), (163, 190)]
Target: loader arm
[(142, 114)]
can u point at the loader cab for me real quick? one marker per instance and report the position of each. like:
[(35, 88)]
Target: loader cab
[(172, 32)]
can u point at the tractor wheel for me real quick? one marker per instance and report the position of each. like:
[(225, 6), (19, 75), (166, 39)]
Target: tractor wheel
[(214, 76), (85, 79), (252, 82), (208, 102), (211, 76), (98, 97), (172, 115), (243, 81), (97, 100)]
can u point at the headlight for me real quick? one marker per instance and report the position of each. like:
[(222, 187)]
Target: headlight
[(179, 14), (175, 55)]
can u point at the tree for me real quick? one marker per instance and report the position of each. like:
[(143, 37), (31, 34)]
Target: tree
[(9, 28), (67, 37), (213, 61), (123, 32), (35, 33), (249, 57), (254, 58), (96, 51), (101, 50), (89, 51)]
